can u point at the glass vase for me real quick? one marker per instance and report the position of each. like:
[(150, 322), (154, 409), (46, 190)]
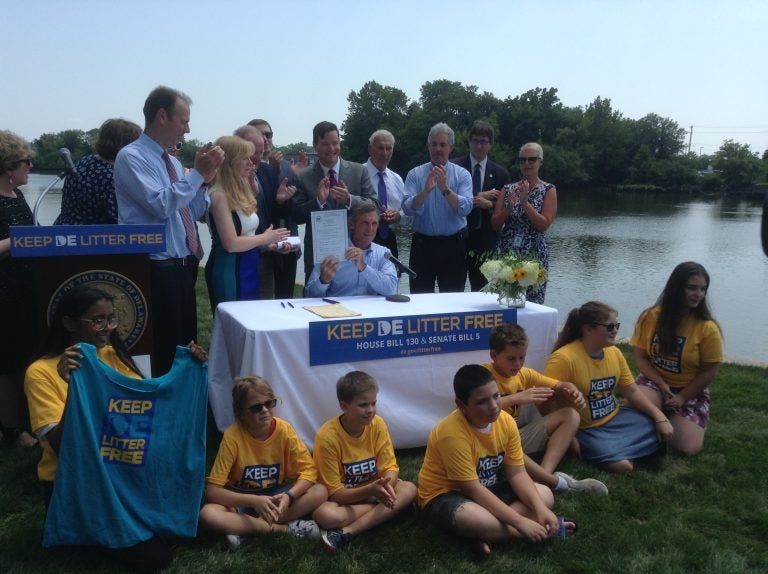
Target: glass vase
[(513, 298)]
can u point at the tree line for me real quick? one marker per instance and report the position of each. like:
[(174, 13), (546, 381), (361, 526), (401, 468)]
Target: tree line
[(592, 146)]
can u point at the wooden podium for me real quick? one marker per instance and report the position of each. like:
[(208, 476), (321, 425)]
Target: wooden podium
[(113, 258)]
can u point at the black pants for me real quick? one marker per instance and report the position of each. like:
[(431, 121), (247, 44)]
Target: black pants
[(173, 308), (476, 251), (438, 258)]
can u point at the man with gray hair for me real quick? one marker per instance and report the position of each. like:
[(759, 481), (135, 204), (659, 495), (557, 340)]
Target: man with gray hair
[(389, 186), (438, 195)]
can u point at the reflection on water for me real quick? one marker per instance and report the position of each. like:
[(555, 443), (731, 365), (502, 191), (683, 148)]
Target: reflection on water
[(620, 248)]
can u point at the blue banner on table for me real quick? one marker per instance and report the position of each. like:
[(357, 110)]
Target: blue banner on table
[(349, 340), (58, 240)]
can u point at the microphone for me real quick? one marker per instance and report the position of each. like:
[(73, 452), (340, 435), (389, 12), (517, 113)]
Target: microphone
[(400, 265), (66, 157)]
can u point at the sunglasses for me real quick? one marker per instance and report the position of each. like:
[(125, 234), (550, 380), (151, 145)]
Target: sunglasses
[(27, 161), (527, 159), (610, 326), (267, 135), (256, 408)]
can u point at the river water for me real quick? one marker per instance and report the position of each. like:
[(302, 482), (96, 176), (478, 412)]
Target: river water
[(620, 249)]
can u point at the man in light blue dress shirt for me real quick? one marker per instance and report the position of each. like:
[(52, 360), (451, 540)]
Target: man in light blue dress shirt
[(365, 269), (151, 187), (438, 196)]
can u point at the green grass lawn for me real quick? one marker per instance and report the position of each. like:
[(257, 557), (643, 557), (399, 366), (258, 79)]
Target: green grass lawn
[(706, 514)]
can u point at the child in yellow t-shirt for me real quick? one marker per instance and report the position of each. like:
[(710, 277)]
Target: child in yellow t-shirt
[(552, 433), (356, 461), (473, 481), (263, 479)]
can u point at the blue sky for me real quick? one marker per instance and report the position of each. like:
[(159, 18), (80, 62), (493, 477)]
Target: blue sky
[(72, 64)]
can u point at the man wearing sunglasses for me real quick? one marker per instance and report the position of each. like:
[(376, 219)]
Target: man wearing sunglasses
[(488, 178)]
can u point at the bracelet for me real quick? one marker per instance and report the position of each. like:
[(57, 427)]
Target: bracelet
[(662, 421), (290, 496)]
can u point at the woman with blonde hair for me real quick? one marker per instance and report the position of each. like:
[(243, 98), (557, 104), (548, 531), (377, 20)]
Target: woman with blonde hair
[(18, 334), (527, 210), (232, 270)]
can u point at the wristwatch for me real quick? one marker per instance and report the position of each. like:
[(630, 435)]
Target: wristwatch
[(446, 192)]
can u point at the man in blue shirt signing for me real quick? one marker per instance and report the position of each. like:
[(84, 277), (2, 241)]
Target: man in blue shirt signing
[(365, 269)]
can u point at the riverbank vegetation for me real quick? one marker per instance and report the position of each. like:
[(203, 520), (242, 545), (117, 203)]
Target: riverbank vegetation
[(591, 146), (706, 514)]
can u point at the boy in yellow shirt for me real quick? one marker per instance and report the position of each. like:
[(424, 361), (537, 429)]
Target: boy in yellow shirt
[(355, 460), (473, 481), (551, 433)]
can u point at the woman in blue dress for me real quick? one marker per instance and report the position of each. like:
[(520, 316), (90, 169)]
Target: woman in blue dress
[(526, 212), (232, 270)]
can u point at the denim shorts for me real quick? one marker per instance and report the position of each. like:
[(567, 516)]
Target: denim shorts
[(442, 509)]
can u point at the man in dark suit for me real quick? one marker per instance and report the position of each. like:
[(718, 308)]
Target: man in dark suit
[(488, 178), (331, 183)]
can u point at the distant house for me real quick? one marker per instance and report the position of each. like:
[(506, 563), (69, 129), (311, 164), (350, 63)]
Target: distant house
[(708, 171)]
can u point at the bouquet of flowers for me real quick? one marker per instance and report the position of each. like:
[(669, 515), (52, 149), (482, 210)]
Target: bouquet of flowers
[(509, 275)]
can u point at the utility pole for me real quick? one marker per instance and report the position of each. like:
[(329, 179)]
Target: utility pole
[(690, 137)]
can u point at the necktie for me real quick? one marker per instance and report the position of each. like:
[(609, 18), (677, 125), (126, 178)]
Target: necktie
[(186, 216), (383, 227), (261, 205), (332, 182), (474, 215)]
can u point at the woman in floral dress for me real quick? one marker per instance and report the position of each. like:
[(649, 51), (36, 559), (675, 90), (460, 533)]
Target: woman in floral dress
[(528, 209)]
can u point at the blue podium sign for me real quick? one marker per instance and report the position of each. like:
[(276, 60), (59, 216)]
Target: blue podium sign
[(349, 340), (63, 240)]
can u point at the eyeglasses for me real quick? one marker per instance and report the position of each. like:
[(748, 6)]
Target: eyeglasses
[(527, 159), (268, 135), (610, 326), (256, 408), (480, 141), (101, 323), (27, 161)]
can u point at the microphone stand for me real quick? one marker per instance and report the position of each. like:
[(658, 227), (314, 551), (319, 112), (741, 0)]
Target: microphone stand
[(61, 176)]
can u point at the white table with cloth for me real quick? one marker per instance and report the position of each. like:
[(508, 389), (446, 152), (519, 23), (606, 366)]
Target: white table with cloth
[(271, 339)]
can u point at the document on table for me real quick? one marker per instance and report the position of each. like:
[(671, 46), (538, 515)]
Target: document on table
[(330, 233), (334, 311)]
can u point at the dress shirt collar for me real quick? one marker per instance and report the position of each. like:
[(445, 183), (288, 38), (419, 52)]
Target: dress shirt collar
[(335, 168)]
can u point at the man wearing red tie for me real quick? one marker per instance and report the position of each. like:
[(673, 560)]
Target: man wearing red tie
[(331, 183), (152, 187)]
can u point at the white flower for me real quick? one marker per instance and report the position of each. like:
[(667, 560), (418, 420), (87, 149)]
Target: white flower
[(491, 270), (531, 269)]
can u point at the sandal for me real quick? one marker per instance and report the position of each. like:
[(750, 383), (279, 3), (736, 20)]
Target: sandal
[(563, 531)]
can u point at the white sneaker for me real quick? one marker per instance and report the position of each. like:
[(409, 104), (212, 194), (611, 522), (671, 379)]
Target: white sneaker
[(585, 485), (235, 541), (304, 529)]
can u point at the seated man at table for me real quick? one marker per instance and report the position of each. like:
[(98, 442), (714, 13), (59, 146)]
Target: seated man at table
[(365, 269)]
